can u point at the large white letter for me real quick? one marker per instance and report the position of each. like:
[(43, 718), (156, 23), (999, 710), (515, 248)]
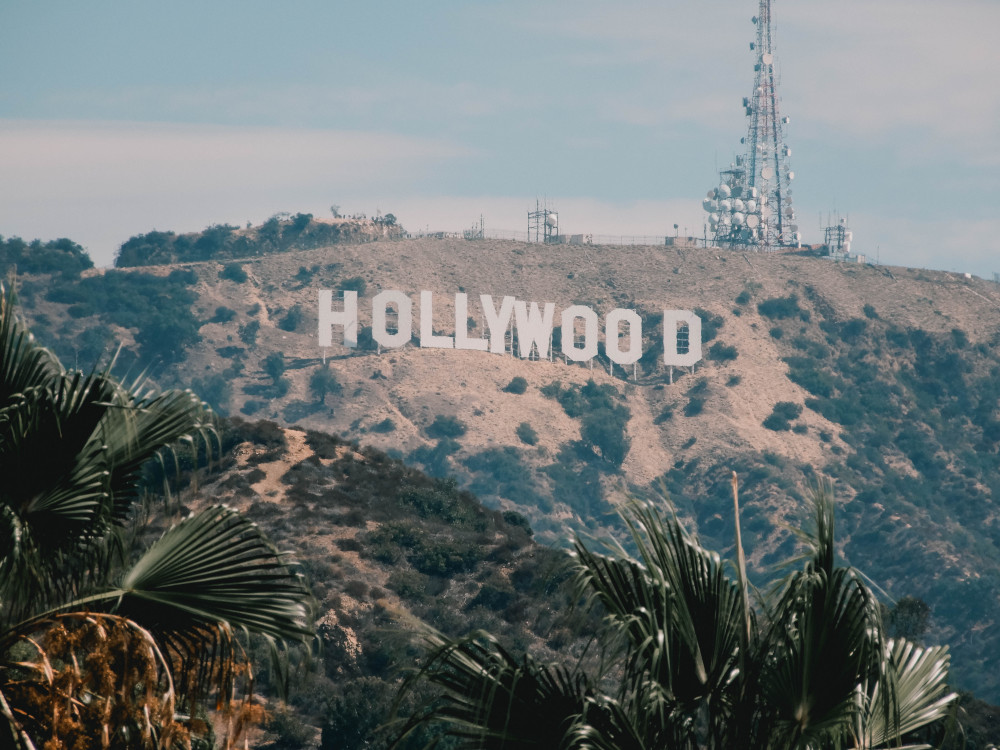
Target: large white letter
[(671, 320), (611, 340), (534, 327), (462, 340), (328, 317), (427, 338), (589, 318), (404, 319), (497, 321)]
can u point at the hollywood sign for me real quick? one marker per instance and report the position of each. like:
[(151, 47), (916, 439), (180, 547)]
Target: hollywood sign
[(532, 325)]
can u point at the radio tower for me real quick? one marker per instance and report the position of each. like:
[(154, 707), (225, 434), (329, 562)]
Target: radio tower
[(752, 206)]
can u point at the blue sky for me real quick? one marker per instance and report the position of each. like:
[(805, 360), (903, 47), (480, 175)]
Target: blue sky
[(121, 117)]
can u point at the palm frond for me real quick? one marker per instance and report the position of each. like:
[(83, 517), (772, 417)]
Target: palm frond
[(493, 700), (825, 638), (921, 692), (217, 566), (23, 363)]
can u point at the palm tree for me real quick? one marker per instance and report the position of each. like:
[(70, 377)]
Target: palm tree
[(691, 662), (103, 645)]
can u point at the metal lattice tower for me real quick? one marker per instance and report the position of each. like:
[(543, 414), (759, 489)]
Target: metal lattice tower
[(752, 206), (544, 222)]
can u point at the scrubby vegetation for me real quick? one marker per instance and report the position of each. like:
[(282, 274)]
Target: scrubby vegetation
[(434, 552), (278, 234)]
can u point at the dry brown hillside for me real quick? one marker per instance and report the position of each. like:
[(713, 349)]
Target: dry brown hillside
[(885, 379)]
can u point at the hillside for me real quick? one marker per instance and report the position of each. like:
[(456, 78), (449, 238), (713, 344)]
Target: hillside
[(886, 379), (383, 546)]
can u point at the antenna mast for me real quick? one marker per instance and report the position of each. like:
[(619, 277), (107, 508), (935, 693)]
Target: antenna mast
[(752, 206)]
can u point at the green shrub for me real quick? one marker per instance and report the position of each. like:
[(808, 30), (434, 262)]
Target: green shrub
[(722, 352), (223, 314), (355, 284), (517, 385), (742, 298), (290, 322), (248, 333), (694, 406), (780, 308), (445, 427), (274, 365), (513, 518), (777, 333), (710, 324), (604, 429), (780, 418), (233, 272), (666, 414), (251, 406), (551, 390), (323, 382), (386, 425), (526, 434), (787, 409)]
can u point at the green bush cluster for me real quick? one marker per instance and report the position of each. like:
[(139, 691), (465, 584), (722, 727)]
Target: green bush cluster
[(782, 308), (603, 417), (224, 241), (445, 427), (526, 434), (517, 385), (782, 415), (63, 257), (158, 307)]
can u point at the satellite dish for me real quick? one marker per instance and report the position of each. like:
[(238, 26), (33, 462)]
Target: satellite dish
[(752, 220), (765, 211), (767, 172), (766, 58)]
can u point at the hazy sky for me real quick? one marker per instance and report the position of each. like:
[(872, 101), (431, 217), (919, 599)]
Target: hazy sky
[(121, 117)]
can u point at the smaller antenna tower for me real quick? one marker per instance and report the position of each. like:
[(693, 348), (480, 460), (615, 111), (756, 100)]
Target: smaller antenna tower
[(838, 237), (476, 232), (544, 222)]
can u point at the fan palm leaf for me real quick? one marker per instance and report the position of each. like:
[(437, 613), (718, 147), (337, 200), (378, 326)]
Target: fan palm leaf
[(72, 449), (921, 691), (494, 700)]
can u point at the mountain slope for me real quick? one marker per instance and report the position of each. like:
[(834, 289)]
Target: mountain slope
[(885, 379)]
